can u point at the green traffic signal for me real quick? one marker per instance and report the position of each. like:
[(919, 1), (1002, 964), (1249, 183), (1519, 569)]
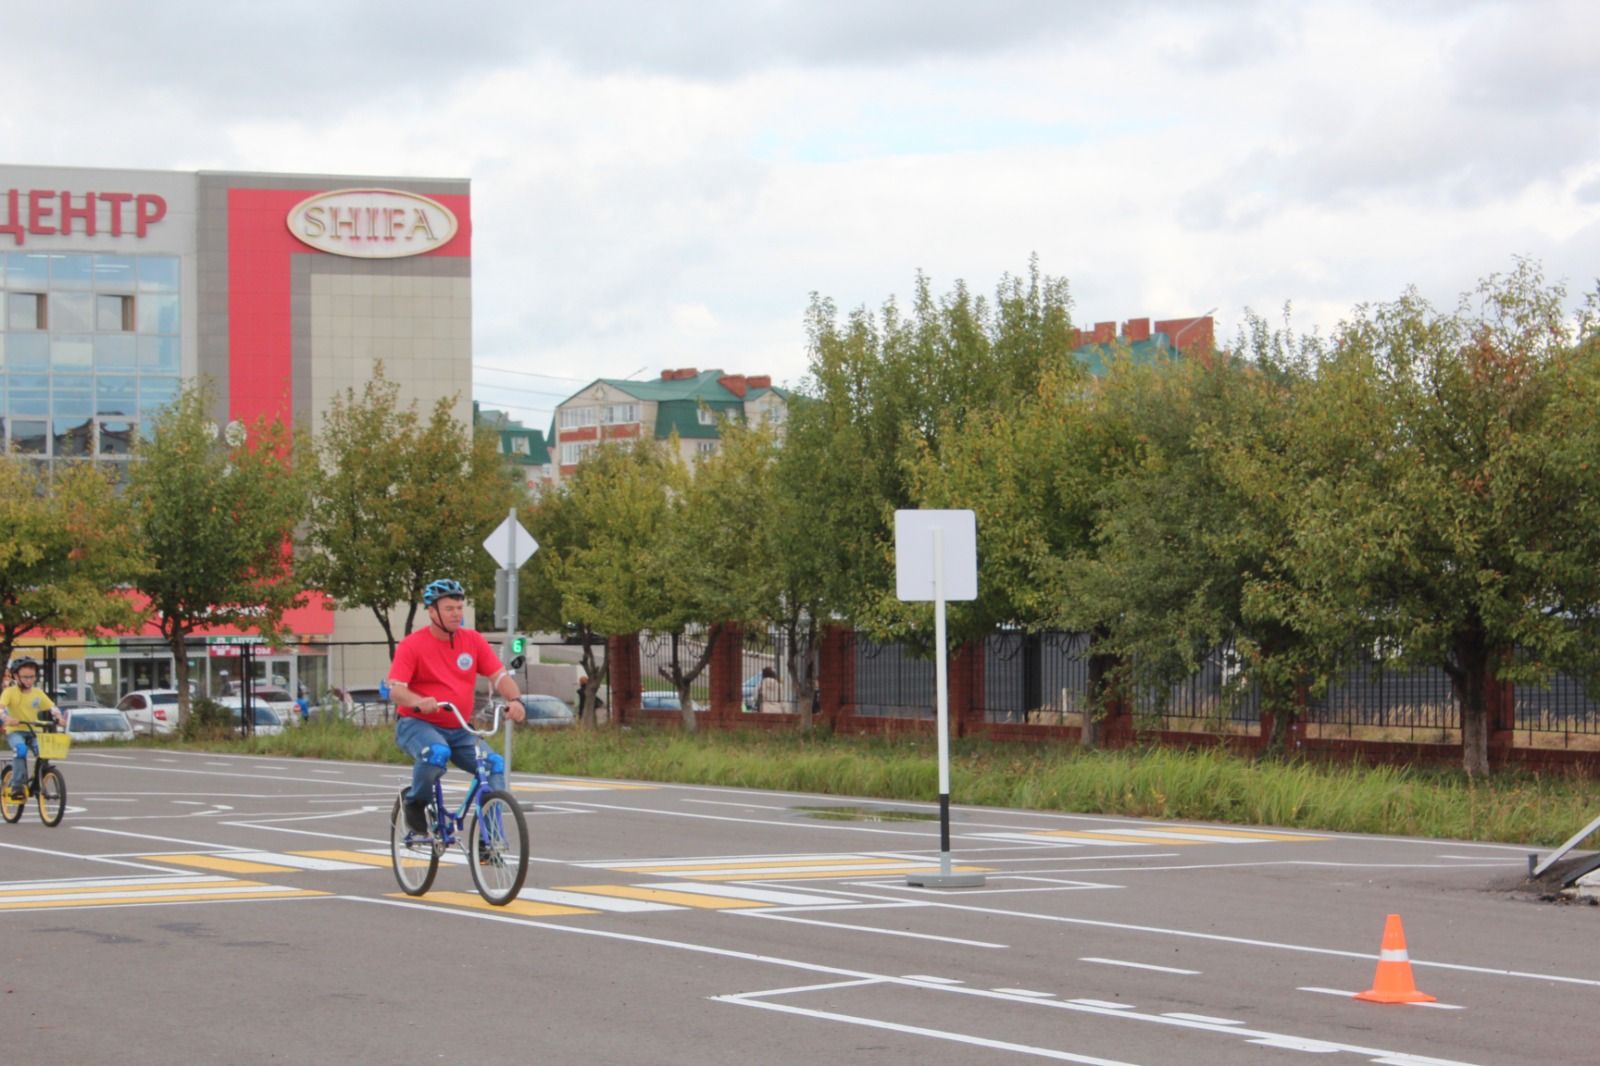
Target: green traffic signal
[(517, 645)]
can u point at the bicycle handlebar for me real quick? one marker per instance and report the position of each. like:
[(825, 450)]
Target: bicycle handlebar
[(497, 706)]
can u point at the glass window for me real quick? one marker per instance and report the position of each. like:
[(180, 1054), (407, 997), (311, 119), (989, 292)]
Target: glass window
[(2, 356), (113, 313), (114, 273), (72, 350), (116, 436), (115, 351), (519, 445), (74, 437), (156, 392), (158, 273), (116, 394), (72, 395), (577, 417), (706, 416), (25, 310), (30, 394), (159, 353), (157, 314), (71, 271), (30, 436), (27, 270), (71, 312), (28, 351)]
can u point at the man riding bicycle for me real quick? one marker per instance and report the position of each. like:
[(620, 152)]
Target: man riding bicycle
[(22, 703), (442, 664)]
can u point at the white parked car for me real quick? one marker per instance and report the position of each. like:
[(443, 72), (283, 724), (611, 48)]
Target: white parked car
[(151, 711), (268, 722), (273, 696), (89, 722)]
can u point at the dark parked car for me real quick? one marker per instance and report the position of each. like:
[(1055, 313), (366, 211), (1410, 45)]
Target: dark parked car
[(663, 701), (547, 711)]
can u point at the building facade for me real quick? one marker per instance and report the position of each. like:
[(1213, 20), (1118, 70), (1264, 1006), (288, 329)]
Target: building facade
[(280, 291), (686, 402)]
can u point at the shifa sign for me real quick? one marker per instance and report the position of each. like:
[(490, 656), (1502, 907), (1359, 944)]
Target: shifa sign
[(372, 223)]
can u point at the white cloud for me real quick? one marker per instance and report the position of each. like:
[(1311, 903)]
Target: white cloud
[(667, 186)]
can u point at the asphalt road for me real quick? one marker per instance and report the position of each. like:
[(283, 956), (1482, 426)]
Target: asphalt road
[(197, 908)]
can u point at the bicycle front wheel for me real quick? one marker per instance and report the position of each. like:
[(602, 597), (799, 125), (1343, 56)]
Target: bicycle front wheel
[(415, 858), (10, 809), (497, 847), (52, 796)]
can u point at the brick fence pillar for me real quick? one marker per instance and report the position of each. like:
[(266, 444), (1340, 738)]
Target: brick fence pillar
[(836, 674), (966, 689), (622, 655), (725, 669)]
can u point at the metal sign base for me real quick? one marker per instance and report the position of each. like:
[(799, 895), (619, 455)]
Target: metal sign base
[(945, 878)]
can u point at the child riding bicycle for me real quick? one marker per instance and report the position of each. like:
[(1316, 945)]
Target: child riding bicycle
[(437, 665), (22, 703)]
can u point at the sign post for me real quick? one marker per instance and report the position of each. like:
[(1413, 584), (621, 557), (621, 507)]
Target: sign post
[(510, 546), (936, 558)]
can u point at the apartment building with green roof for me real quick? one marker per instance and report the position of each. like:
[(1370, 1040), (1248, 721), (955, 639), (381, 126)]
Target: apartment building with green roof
[(685, 402)]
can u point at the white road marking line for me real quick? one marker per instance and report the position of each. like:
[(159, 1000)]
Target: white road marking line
[(619, 904), (1102, 1004), (919, 1030), (923, 978), (1026, 992), (1137, 965), (1181, 1016), (1385, 1056), (867, 929), (1343, 993), (766, 895)]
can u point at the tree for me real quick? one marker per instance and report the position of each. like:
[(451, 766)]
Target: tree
[(397, 502), (1459, 523), (898, 388), (611, 580), (716, 554), (63, 545), (557, 524), (216, 519)]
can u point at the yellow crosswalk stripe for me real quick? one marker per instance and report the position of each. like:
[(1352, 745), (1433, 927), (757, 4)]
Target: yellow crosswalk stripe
[(144, 892), (783, 874), (661, 895), (690, 869), (218, 862), (524, 907), (362, 857), (1113, 838)]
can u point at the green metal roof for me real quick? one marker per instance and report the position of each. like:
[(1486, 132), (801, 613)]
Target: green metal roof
[(703, 386), (683, 417), (1097, 357)]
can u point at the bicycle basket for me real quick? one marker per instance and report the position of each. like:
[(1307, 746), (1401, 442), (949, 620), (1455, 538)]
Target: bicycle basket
[(54, 746)]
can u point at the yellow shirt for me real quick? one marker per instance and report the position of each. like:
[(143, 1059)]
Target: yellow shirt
[(25, 706)]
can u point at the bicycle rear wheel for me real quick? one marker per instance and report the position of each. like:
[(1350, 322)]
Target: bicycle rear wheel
[(497, 847), (52, 796), (10, 809), (416, 859)]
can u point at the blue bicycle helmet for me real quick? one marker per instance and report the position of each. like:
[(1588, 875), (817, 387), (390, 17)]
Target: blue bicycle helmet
[(442, 589)]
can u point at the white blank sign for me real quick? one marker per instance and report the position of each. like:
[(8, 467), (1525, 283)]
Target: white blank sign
[(913, 554)]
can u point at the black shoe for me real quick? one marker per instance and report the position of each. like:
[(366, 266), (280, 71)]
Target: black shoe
[(18, 794), (416, 815)]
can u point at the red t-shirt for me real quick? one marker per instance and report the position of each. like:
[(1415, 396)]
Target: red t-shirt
[(447, 670)]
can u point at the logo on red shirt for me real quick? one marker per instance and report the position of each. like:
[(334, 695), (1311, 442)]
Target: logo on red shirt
[(464, 661)]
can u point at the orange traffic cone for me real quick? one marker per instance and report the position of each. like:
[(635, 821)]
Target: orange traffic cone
[(1393, 982)]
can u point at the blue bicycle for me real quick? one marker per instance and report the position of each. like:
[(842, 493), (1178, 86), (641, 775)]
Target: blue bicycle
[(488, 825)]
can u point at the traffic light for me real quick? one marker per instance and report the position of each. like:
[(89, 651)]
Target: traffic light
[(518, 644)]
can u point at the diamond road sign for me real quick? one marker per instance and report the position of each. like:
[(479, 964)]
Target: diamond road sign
[(510, 544)]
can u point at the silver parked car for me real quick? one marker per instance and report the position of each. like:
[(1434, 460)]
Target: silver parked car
[(547, 711), (151, 711), (88, 723)]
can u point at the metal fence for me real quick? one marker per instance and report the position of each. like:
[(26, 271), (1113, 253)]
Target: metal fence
[(1043, 678)]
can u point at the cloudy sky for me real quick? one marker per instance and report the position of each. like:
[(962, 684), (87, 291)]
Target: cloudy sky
[(661, 184)]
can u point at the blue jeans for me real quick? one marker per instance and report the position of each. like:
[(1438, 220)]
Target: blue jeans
[(21, 743), (415, 737)]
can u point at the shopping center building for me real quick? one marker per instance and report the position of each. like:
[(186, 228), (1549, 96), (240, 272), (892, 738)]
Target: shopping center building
[(279, 290)]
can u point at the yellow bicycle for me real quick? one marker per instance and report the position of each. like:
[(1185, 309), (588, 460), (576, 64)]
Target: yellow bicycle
[(45, 783)]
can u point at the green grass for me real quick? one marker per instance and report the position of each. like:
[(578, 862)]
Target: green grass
[(1198, 785)]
